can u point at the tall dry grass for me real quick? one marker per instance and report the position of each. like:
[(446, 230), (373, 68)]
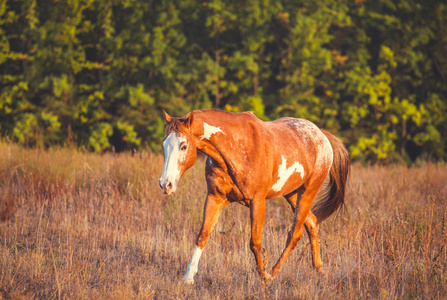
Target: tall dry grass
[(80, 225)]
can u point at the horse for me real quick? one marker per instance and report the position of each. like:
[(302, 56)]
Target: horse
[(249, 161)]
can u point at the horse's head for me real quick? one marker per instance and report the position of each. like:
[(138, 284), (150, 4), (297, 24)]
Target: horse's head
[(180, 151)]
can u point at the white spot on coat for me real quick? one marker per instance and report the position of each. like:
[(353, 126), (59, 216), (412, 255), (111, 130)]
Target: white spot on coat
[(209, 130), (284, 173), (193, 266)]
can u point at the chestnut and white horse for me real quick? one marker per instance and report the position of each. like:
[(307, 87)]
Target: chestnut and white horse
[(250, 161)]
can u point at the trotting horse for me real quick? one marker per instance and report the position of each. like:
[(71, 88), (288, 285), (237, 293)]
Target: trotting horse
[(249, 161)]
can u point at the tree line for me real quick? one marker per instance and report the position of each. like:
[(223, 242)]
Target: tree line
[(97, 73)]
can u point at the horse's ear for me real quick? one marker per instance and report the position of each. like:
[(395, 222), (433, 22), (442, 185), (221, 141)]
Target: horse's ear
[(168, 118), (188, 119)]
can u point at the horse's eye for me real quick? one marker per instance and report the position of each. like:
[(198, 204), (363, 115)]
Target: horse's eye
[(183, 147)]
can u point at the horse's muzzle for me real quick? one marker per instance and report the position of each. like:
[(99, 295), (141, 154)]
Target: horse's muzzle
[(166, 186)]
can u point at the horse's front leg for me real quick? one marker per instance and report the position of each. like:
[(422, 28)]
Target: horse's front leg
[(213, 206), (257, 215)]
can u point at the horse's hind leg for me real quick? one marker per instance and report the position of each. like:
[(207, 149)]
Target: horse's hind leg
[(311, 226)]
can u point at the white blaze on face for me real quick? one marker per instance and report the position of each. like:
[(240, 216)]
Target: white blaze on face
[(284, 173), (173, 157), (209, 130), (193, 266)]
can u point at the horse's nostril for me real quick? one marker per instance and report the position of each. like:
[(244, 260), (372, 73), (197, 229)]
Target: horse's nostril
[(159, 183), (169, 185)]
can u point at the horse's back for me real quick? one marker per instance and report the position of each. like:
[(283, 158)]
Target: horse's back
[(300, 131)]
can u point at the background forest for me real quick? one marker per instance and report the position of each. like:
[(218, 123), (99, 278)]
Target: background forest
[(96, 73)]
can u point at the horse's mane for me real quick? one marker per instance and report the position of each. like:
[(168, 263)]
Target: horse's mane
[(175, 125), (178, 125), (222, 112), (211, 110)]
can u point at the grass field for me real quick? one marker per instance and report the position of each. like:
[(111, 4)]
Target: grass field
[(80, 226)]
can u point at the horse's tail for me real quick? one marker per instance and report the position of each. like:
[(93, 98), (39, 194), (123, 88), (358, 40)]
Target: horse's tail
[(332, 194)]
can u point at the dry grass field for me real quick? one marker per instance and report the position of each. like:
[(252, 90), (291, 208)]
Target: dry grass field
[(78, 225)]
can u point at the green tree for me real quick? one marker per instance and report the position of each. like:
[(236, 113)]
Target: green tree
[(97, 73)]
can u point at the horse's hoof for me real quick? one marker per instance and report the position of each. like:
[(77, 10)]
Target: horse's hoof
[(321, 271), (267, 277), (189, 281)]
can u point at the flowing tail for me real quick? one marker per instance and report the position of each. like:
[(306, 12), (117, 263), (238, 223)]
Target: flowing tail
[(331, 195)]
